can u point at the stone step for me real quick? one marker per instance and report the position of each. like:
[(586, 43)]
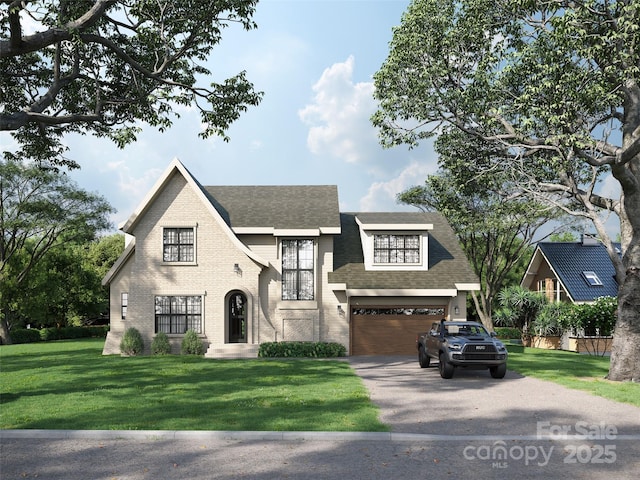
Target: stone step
[(232, 350)]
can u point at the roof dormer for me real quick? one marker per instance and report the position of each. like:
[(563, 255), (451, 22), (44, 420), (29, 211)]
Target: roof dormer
[(391, 243)]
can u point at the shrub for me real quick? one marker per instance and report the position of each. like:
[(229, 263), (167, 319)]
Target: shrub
[(53, 333), (302, 349), (192, 344), (507, 332), (552, 319), (24, 335), (160, 344), (132, 343)]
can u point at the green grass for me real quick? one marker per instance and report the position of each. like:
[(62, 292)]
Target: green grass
[(70, 385), (573, 370)]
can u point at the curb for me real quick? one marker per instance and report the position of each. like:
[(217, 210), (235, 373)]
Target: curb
[(281, 436)]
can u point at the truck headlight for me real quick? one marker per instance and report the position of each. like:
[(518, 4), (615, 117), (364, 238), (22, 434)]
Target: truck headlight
[(455, 346)]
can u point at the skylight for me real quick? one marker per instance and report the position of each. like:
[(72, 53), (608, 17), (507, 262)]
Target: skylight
[(591, 278)]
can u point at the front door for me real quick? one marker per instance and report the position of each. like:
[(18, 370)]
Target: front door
[(237, 318)]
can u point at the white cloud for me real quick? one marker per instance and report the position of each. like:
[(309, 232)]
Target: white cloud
[(339, 115), (382, 195)]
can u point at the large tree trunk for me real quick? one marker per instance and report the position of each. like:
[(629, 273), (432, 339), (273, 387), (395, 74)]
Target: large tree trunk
[(625, 352)]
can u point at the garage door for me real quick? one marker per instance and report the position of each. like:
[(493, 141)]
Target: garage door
[(390, 330)]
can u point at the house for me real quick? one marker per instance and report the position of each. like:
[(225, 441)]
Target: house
[(242, 265), (576, 272)]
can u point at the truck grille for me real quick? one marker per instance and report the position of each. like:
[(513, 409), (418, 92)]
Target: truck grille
[(480, 356), (482, 348)]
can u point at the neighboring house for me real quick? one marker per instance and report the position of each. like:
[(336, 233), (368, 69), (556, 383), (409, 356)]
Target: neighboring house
[(576, 272), (242, 265)]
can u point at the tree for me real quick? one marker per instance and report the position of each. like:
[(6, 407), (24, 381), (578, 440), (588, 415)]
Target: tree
[(555, 85), (495, 234), (519, 309), (39, 210), (102, 66)]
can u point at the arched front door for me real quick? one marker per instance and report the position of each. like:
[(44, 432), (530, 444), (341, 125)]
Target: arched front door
[(237, 318)]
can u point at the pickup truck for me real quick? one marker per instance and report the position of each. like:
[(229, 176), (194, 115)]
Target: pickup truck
[(461, 344)]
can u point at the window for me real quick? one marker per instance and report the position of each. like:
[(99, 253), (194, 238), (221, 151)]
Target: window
[(297, 270), (124, 303), (178, 314), (178, 245), (396, 249), (592, 279)]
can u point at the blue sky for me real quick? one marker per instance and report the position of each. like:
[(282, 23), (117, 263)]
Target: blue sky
[(314, 60)]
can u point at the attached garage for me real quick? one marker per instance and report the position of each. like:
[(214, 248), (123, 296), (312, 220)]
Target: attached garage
[(390, 330)]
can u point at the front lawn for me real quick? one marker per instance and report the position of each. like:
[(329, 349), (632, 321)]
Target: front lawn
[(70, 385), (573, 370)]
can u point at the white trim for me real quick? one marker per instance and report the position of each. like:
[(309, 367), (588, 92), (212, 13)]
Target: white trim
[(394, 226), (286, 232), (467, 286), (401, 292), (296, 232)]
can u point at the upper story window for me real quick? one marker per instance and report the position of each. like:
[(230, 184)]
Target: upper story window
[(297, 270), (396, 249), (178, 245), (592, 278)]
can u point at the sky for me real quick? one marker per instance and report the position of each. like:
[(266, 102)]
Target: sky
[(314, 60)]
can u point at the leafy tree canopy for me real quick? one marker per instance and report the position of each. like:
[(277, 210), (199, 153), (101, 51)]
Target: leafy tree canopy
[(553, 84), (41, 210), (103, 66), (495, 234)]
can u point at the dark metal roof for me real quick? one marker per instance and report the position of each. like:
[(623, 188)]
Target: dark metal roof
[(448, 264), (570, 259), (280, 207)]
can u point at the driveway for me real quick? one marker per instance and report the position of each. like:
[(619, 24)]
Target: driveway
[(418, 400), (471, 426)]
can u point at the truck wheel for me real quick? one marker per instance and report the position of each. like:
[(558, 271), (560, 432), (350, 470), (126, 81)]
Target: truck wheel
[(498, 371), (423, 359), (446, 369)]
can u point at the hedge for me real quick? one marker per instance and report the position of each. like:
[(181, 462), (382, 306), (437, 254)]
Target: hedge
[(302, 349), (507, 332), (23, 335)]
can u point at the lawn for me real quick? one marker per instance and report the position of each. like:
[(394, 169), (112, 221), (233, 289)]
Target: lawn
[(573, 370), (70, 385)]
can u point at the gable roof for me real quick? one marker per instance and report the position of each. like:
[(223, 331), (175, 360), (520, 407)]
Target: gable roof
[(176, 167), (278, 210), (568, 261), (449, 269)]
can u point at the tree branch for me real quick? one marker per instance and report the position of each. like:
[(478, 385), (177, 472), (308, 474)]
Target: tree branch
[(18, 45)]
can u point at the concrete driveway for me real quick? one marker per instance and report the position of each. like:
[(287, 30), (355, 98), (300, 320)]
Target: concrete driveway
[(418, 400), (471, 426)]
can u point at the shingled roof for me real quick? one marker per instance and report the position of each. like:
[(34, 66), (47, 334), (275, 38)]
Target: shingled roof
[(448, 264), (570, 259), (297, 207)]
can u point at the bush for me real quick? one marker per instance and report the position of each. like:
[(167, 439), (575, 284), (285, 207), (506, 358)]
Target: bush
[(192, 344), (160, 344), (552, 319), (507, 332), (53, 333), (24, 335), (132, 343), (302, 349)]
